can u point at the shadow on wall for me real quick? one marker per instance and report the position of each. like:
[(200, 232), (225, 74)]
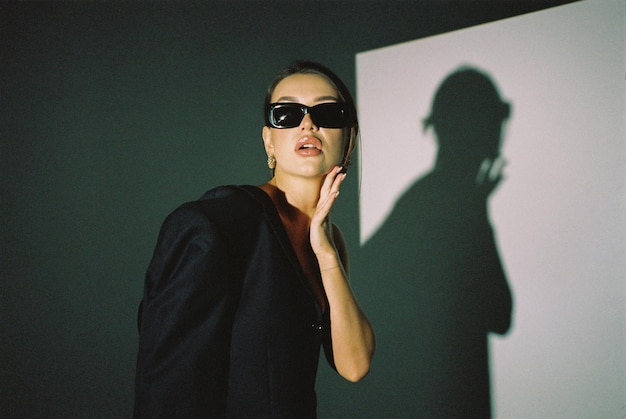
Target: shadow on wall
[(438, 286)]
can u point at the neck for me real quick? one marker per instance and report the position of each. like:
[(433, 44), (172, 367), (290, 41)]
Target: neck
[(294, 196), (458, 164)]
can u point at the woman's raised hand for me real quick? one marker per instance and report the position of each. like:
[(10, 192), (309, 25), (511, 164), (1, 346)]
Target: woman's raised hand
[(321, 235)]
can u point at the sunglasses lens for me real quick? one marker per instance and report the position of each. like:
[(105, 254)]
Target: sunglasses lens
[(286, 115), (329, 115), (324, 115)]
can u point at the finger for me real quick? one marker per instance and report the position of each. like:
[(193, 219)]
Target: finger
[(331, 174), (331, 177), (483, 170), (330, 186), (334, 187), (326, 203), (497, 169)]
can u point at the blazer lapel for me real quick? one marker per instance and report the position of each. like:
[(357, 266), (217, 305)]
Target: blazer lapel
[(271, 215)]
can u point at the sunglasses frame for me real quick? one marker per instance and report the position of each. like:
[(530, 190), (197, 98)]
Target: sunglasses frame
[(271, 121)]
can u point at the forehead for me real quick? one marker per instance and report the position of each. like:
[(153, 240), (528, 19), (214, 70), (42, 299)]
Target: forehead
[(305, 86)]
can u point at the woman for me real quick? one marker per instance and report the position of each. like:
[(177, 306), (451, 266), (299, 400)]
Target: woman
[(246, 283)]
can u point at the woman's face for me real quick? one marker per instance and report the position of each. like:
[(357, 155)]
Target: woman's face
[(306, 150)]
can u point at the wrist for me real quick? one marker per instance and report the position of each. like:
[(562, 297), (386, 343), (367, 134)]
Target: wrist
[(330, 268), (328, 261)]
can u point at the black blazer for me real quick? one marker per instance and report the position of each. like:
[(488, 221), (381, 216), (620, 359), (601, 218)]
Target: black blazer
[(228, 326)]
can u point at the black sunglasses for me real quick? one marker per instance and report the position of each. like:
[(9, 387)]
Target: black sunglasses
[(290, 115)]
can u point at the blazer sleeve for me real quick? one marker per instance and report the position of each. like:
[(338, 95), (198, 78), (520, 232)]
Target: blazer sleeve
[(185, 321)]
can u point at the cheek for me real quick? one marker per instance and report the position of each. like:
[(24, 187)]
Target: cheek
[(274, 139), (337, 140), (280, 142), (337, 155)]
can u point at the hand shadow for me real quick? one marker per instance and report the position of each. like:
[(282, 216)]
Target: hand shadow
[(437, 286)]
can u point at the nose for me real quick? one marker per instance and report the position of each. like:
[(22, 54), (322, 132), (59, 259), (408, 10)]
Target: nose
[(307, 122)]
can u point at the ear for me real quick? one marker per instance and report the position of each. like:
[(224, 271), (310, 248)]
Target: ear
[(267, 140)]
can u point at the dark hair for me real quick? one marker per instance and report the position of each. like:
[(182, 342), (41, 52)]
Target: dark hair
[(311, 67)]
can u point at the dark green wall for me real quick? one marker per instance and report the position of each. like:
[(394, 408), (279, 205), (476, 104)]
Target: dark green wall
[(112, 114)]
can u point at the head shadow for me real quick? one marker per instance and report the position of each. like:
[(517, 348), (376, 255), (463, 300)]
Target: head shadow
[(467, 117)]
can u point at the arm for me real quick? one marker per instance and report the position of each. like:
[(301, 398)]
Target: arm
[(351, 333), (187, 311), (498, 297)]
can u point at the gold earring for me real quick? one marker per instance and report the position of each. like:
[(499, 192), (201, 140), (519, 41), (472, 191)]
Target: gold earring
[(271, 161)]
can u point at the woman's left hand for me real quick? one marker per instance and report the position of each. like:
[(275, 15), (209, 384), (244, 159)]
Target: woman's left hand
[(321, 228)]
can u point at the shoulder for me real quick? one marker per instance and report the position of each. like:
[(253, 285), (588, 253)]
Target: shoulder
[(240, 194), (223, 200), (225, 208), (210, 209)]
